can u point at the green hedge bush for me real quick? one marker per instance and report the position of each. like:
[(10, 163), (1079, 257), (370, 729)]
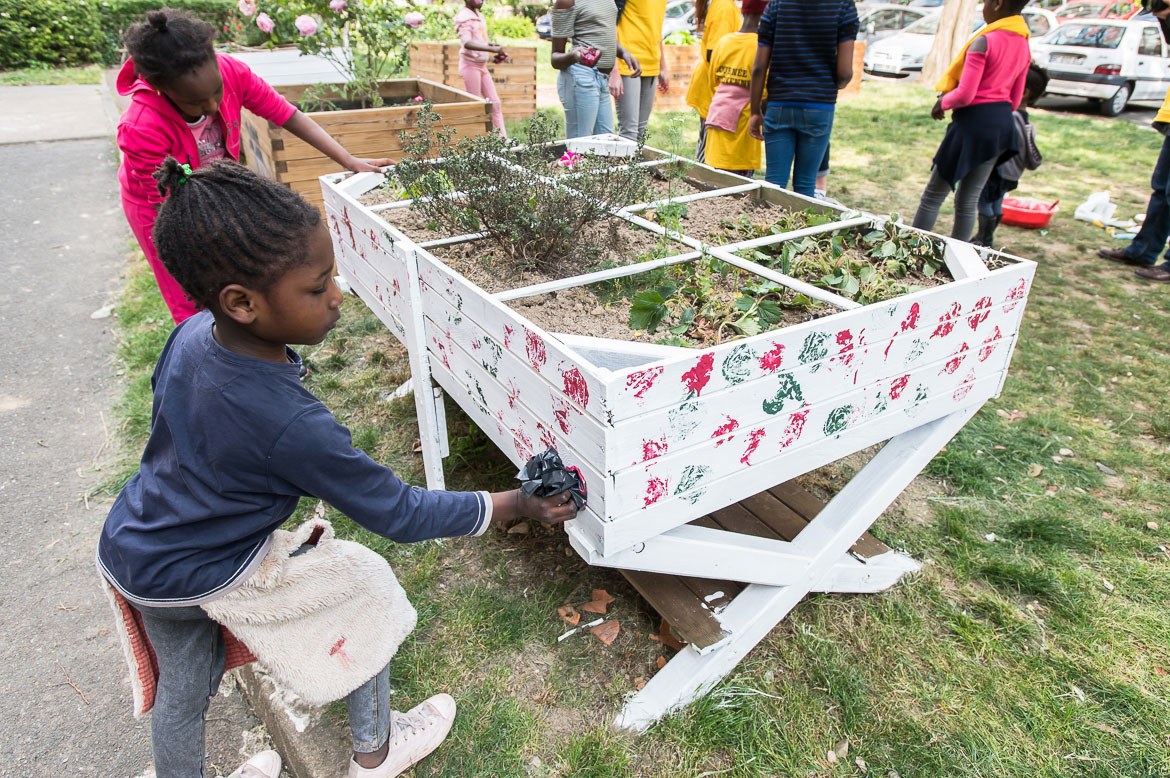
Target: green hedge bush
[(533, 11), (117, 15), (510, 27), (49, 32)]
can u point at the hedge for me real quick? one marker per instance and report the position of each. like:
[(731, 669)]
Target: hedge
[(510, 27), (117, 15), (50, 32)]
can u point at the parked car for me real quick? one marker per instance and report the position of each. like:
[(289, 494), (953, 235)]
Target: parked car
[(1109, 62), (680, 15), (1105, 9), (544, 26), (882, 20), (903, 54)]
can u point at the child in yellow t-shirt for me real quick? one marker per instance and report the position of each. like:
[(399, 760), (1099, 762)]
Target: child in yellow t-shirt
[(729, 73), (717, 19)]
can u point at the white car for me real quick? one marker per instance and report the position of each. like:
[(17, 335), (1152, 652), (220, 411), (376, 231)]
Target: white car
[(902, 55), (1110, 62), (881, 20)]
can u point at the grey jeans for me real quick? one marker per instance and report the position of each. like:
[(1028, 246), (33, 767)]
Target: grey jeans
[(635, 105), (966, 200), (190, 651)]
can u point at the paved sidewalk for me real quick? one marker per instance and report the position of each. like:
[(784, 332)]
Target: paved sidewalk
[(64, 694)]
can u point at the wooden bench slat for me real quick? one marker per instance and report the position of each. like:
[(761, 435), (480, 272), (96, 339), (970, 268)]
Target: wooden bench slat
[(676, 603)]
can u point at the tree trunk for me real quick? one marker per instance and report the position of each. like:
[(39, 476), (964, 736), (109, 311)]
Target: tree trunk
[(954, 29)]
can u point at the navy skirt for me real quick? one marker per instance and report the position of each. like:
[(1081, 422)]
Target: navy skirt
[(976, 134)]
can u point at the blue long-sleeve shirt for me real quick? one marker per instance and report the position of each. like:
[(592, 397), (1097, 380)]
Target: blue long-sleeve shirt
[(234, 443), (803, 36)]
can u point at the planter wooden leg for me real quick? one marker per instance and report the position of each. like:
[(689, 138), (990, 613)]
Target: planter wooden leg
[(432, 420), (758, 609)]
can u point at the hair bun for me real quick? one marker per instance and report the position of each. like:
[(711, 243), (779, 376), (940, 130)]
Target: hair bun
[(157, 20), (170, 174)]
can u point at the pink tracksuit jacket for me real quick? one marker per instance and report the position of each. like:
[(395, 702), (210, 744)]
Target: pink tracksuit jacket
[(152, 129)]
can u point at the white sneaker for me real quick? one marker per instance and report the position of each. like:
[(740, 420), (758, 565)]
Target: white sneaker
[(413, 735), (265, 764)]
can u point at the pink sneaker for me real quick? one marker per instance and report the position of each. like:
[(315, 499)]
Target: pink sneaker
[(265, 764), (413, 735)]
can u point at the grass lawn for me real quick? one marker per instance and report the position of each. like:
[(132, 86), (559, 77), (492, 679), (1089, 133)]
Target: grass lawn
[(86, 74), (1042, 652)]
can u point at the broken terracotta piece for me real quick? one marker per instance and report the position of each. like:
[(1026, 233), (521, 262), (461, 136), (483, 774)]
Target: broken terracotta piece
[(607, 632)]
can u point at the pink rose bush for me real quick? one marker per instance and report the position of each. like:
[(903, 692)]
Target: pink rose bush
[(265, 23), (247, 7), (306, 25), (337, 6), (414, 19)]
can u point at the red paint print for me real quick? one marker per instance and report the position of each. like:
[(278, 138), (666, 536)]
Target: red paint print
[(336, 226), (513, 393), (652, 449), (946, 322), (989, 345), (911, 320), (725, 429), (656, 489), (1015, 296), (795, 428), (523, 444), (547, 438), (956, 359), (339, 652), (349, 226), (534, 345), (561, 410), (980, 313), (698, 376), (770, 361), (396, 286), (899, 386), (755, 437), (642, 380), (508, 333), (965, 387), (575, 386)]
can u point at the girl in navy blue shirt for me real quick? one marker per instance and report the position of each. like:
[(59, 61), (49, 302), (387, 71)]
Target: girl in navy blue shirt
[(236, 441)]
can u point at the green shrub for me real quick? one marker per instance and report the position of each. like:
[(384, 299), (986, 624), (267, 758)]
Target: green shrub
[(510, 27), (50, 32), (117, 15), (440, 23), (532, 11)]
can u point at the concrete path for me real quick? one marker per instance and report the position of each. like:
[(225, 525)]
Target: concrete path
[(64, 694)]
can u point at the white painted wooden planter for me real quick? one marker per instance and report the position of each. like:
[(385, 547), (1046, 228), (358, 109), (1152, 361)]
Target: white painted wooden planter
[(665, 435)]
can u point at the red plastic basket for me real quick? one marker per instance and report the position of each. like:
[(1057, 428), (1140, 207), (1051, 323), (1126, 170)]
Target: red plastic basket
[(1026, 212)]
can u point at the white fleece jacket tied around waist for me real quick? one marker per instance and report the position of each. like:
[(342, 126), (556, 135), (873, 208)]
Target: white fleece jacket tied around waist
[(323, 622)]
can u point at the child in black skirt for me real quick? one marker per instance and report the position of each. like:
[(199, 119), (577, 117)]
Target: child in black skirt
[(981, 87)]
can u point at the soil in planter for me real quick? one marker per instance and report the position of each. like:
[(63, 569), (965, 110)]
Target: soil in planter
[(866, 267), (728, 219), (604, 309), (483, 263)]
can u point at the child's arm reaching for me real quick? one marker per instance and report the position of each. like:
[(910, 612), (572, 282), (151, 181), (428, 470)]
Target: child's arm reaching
[(315, 456)]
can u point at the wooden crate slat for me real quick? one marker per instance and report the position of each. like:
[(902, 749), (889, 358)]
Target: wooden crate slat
[(676, 603), (515, 80), (366, 143), (714, 594), (781, 519), (804, 502), (738, 519)]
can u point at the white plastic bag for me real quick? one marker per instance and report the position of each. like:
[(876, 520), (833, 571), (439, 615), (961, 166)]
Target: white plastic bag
[(1097, 208)]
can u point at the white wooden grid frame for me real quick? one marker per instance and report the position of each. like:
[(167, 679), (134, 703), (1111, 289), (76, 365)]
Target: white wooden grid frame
[(665, 435)]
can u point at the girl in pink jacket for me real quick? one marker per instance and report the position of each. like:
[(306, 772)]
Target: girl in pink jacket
[(473, 57), (185, 103)]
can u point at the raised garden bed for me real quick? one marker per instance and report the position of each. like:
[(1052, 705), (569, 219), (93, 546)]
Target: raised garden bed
[(663, 433), (369, 133)]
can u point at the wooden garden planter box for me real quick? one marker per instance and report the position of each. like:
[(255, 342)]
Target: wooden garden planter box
[(681, 62), (864, 374), (515, 79), (667, 435), (276, 153)]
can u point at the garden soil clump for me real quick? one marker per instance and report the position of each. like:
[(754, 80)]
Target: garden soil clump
[(485, 265), (578, 311), (709, 219)]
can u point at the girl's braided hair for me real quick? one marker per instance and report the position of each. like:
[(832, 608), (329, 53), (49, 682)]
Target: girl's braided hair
[(169, 45), (223, 224)]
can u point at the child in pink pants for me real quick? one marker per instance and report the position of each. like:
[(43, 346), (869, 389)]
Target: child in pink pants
[(473, 57)]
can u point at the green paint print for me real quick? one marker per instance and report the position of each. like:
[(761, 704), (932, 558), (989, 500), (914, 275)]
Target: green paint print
[(690, 478), (789, 390), (814, 349), (685, 418), (838, 420), (491, 356), (737, 364), (920, 395), (917, 349), (880, 404)]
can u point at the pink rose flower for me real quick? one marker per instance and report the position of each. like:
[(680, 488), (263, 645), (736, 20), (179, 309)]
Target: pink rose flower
[(414, 18), (265, 23), (247, 7), (306, 25), (338, 5)]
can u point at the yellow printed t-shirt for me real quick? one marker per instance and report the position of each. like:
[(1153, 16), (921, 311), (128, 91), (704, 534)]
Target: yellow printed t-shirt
[(731, 63), (640, 32), (723, 18)]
